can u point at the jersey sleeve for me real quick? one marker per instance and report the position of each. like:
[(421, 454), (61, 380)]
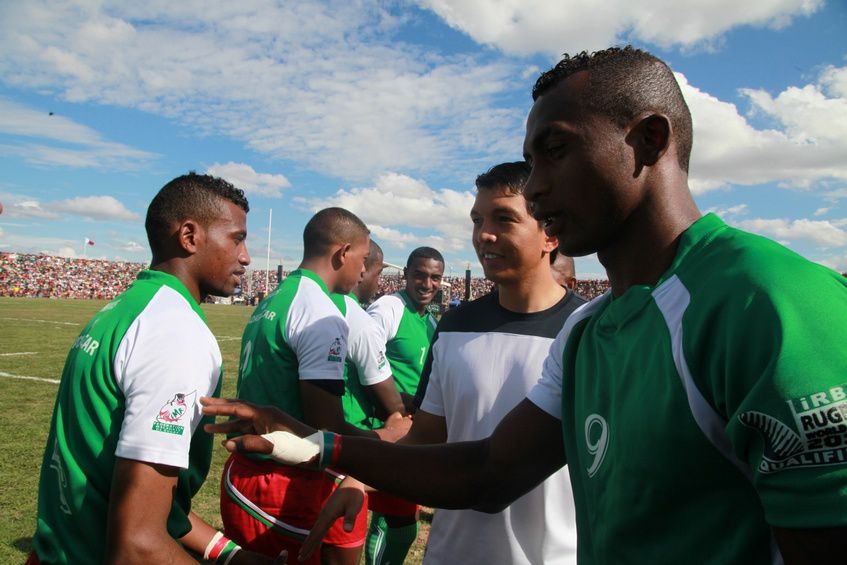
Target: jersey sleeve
[(165, 362), (366, 349), (778, 375), (387, 313), (430, 396), (318, 337), (547, 392)]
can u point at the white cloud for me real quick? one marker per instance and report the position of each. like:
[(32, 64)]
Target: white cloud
[(243, 176), (730, 211), (818, 232), (95, 208), (132, 247), (324, 84), (399, 201), (90, 148), (23, 206), (807, 149), (822, 211), (541, 26)]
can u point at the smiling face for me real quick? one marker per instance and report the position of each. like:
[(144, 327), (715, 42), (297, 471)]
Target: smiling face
[(223, 256), (508, 241), (583, 184), (423, 279)]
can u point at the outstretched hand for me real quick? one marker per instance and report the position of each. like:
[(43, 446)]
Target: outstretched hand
[(396, 426), (346, 501), (252, 420)]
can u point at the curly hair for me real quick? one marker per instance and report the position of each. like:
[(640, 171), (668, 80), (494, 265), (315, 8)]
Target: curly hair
[(623, 82), (188, 196)]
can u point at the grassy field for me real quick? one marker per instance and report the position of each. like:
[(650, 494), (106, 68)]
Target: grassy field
[(35, 335)]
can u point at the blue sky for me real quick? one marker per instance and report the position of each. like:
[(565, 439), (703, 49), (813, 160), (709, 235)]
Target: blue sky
[(391, 109)]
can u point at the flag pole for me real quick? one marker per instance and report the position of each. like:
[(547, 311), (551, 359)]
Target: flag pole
[(268, 264)]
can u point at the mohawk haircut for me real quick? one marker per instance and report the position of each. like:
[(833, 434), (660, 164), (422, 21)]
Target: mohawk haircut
[(188, 196), (623, 83), (424, 253), (329, 227)]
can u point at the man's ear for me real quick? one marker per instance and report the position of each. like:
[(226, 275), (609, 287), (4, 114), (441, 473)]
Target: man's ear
[(650, 138), (339, 256), (551, 242), (190, 236)]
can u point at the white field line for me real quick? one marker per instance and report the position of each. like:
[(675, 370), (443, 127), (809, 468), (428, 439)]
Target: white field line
[(18, 353), (42, 321), (227, 338), (25, 378)]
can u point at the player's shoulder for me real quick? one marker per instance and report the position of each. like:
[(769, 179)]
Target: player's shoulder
[(391, 301), (733, 261)]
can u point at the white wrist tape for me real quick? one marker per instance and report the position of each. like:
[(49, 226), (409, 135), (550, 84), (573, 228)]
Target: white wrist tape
[(292, 450)]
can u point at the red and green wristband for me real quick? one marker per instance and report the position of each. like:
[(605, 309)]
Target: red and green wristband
[(221, 549), (330, 450)]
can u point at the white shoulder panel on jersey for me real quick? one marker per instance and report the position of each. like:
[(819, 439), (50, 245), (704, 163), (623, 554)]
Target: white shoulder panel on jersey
[(165, 362), (366, 348), (317, 332), (387, 312), (547, 393)]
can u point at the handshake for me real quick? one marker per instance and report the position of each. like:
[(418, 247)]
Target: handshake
[(270, 431)]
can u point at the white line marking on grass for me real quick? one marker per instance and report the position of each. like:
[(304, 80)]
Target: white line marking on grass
[(42, 321), (18, 353), (227, 338), (25, 378)]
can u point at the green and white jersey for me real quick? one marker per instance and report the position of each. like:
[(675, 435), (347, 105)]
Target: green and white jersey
[(130, 389), (296, 333), (366, 365), (699, 411), (407, 336)]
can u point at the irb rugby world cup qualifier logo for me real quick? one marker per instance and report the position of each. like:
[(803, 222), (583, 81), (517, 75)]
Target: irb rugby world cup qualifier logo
[(173, 412)]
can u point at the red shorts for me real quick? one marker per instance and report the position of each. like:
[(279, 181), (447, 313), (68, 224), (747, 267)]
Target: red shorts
[(267, 507), (390, 505)]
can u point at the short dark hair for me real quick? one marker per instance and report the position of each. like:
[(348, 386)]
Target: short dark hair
[(512, 176), (624, 82), (424, 253), (188, 196), (375, 256), (329, 227)]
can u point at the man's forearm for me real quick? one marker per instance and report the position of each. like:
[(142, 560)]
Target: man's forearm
[(444, 476)]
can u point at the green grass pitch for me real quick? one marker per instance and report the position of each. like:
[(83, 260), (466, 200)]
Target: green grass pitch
[(35, 335)]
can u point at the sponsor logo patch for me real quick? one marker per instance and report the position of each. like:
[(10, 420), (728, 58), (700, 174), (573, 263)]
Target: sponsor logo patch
[(335, 350), (818, 438), (172, 413), (380, 359)]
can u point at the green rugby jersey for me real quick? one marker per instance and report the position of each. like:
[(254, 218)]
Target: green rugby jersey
[(130, 388), (699, 411), (407, 337), (296, 333), (366, 365)]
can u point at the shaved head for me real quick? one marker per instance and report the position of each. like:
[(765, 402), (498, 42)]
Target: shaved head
[(330, 227)]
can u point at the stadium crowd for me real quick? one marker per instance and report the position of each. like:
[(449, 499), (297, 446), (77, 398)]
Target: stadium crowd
[(48, 276)]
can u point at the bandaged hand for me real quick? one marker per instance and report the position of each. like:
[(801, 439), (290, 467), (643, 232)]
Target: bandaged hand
[(317, 450)]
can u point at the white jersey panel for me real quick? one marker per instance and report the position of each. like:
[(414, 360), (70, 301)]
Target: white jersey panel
[(165, 362), (547, 393), (317, 333), (477, 378), (387, 312), (365, 349)]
